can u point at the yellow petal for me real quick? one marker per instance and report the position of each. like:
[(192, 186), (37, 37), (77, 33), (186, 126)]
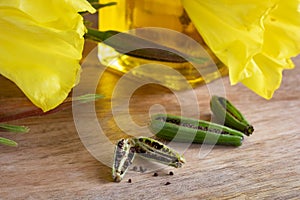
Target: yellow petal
[(266, 74), (38, 54), (280, 44), (255, 39), (232, 29), (282, 30), (60, 14)]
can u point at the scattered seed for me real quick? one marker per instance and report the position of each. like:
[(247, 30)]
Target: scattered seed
[(129, 180), (167, 183), (171, 173), (155, 174), (134, 168), (142, 169)]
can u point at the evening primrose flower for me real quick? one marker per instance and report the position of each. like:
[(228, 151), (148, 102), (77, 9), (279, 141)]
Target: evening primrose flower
[(254, 39), (41, 46)]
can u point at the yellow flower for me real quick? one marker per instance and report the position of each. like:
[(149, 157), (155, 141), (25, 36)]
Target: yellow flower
[(41, 46), (254, 39)]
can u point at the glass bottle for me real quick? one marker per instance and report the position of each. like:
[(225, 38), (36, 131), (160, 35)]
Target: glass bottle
[(135, 14)]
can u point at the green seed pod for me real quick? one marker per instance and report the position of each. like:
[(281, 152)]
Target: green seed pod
[(181, 129), (226, 112)]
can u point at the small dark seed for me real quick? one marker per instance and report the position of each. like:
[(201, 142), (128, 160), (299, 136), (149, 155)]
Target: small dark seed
[(171, 173), (129, 180), (167, 183), (155, 174), (142, 169)]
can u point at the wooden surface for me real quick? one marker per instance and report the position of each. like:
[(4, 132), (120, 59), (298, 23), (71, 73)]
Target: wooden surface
[(52, 163)]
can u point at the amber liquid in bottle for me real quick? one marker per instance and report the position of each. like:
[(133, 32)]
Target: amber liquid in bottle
[(135, 14)]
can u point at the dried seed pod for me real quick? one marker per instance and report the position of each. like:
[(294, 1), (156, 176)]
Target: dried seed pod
[(123, 158), (157, 151), (226, 112), (148, 148), (182, 129)]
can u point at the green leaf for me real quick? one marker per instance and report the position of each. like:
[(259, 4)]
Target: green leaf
[(99, 5), (93, 1), (88, 98), (8, 142), (13, 128), (124, 43)]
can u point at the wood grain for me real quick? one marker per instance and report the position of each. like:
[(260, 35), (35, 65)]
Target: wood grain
[(52, 163)]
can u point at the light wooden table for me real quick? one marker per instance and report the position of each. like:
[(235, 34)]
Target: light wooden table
[(52, 163)]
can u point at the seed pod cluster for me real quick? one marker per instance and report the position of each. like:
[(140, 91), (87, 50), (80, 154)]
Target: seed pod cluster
[(148, 148), (182, 129)]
